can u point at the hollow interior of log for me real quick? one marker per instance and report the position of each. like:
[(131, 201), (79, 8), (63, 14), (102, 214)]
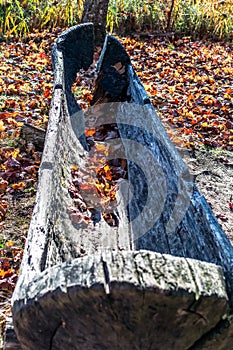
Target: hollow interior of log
[(88, 209), (118, 182)]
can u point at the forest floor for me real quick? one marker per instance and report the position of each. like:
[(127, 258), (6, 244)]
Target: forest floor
[(189, 83)]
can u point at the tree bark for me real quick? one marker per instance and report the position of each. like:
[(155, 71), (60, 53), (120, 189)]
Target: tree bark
[(170, 14), (95, 11)]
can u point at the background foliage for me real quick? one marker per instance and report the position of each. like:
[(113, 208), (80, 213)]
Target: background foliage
[(198, 18)]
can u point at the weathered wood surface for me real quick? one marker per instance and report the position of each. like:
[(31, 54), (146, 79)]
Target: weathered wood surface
[(133, 285), (10, 340), (127, 300)]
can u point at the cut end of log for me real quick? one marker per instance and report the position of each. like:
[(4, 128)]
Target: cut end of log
[(121, 300)]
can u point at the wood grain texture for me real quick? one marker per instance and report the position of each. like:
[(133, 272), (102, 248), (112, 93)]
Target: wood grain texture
[(127, 300)]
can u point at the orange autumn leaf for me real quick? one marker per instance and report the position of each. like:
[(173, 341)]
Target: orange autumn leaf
[(3, 208), (47, 93), (2, 127), (3, 186), (11, 152), (100, 147), (86, 95), (90, 132), (108, 176), (13, 122), (20, 185), (175, 101), (205, 125), (227, 96), (6, 273), (87, 187), (9, 243), (11, 103), (188, 131), (106, 168), (74, 168), (33, 104), (8, 115)]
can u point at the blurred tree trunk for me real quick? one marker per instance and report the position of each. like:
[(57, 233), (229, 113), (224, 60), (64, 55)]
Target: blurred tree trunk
[(95, 11), (170, 14)]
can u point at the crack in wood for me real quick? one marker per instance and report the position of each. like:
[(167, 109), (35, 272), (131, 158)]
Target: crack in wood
[(60, 325), (210, 340), (106, 275), (197, 293), (189, 310)]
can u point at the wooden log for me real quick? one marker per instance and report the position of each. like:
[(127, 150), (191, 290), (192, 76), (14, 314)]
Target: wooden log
[(10, 340), (34, 135), (197, 235), (122, 300), (158, 276)]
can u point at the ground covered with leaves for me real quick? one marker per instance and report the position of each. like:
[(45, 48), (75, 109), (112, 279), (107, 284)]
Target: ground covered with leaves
[(191, 86)]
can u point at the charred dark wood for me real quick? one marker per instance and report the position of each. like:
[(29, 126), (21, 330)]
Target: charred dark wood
[(160, 277)]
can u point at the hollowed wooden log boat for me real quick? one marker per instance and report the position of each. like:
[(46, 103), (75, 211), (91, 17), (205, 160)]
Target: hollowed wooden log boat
[(123, 252)]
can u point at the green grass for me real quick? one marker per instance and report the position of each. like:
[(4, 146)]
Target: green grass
[(18, 17), (198, 18)]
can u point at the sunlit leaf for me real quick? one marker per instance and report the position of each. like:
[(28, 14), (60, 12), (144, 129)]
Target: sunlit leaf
[(2, 126)]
